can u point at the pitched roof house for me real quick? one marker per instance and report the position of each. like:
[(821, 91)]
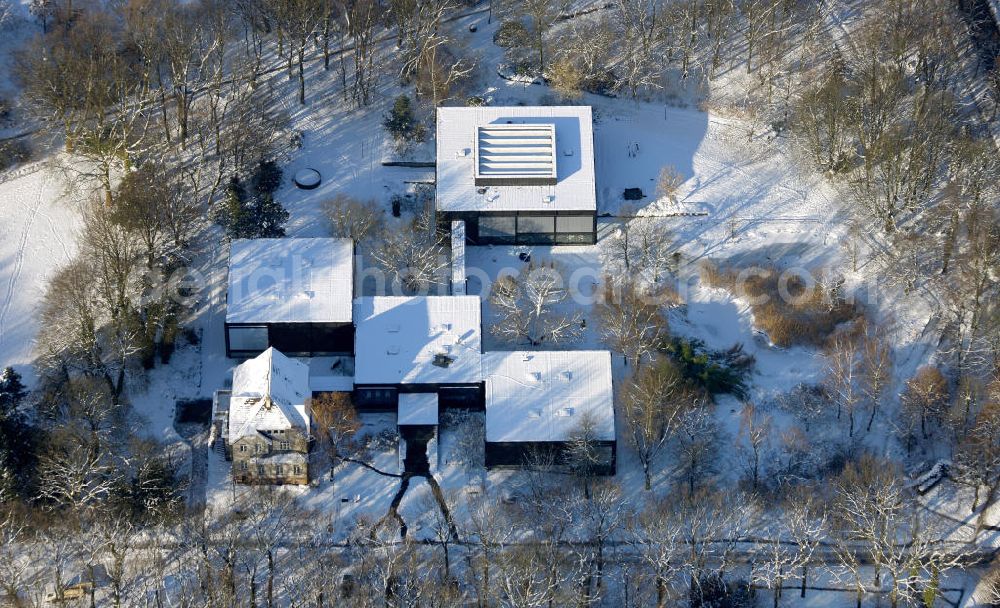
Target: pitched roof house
[(268, 429)]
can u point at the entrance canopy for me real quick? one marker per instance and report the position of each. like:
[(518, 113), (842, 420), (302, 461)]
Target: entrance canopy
[(418, 409)]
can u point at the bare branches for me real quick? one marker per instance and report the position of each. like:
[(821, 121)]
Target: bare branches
[(653, 403), (529, 307)]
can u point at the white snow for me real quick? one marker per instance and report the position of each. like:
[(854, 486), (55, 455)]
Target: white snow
[(544, 395), (37, 236), (459, 155), (290, 280), (398, 339), (417, 408)]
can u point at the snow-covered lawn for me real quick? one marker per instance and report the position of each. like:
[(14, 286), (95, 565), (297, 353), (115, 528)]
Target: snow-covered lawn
[(37, 236)]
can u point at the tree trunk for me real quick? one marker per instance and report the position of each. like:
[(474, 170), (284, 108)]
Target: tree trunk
[(302, 77), (270, 578)]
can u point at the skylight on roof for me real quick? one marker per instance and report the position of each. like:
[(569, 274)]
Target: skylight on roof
[(515, 154)]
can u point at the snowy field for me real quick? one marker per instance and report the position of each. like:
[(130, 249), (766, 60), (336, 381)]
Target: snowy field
[(37, 236)]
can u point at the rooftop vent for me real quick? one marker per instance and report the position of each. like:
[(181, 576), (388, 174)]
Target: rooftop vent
[(394, 328), (442, 360), (392, 350), (534, 376), (565, 412), (567, 375)]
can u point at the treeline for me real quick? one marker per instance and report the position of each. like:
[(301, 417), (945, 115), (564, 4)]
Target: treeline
[(552, 544)]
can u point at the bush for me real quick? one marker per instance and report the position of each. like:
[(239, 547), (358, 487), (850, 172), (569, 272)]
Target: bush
[(716, 371), (267, 177), (401, 122), (511, 34), (244, 217), (714, 591), (808, 316), (12, 152)]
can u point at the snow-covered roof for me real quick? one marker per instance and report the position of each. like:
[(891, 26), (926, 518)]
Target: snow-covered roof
[(291, 280), (502, 159), (331, 374), (417, 408), (417, 340), (270, 393), (543, 395), (458, 258)]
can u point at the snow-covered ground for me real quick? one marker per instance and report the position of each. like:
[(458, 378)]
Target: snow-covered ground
[(37, 236)]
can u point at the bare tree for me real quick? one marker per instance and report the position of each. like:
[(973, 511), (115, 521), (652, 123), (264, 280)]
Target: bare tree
[(336, 421), (844, 377), (872, 517), (631, 320), (352, 218), (653, 402), (696, 444), (543, 15), (755, 433), (489, 529), (585, 455), (603, 516), (15, 564), (877, 367), (644, 246), (656, 535), (925, 398), (527, 307), (299, 20), (415, 260)]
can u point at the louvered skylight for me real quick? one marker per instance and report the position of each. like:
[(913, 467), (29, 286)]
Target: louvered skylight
[(516, 153)]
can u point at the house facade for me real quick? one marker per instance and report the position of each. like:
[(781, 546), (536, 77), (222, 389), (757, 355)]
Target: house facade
[(517, 175)]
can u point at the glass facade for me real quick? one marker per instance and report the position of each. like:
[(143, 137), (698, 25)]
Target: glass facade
[(531, 229), (248, 339), (498, 229)]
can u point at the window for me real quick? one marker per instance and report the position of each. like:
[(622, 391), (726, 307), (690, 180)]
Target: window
[(297, 470), (284, 445), (260, 470), (277, 470), (248, 339), (497, 228), (528, 224), (460, 396), (243, 447), (244, 466), (575, 223), (376, 397)]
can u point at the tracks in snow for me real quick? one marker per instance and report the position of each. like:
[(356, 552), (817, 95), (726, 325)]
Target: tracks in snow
[(18, 263)]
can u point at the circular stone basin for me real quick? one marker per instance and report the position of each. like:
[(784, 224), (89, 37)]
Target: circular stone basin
[(307, 179)]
